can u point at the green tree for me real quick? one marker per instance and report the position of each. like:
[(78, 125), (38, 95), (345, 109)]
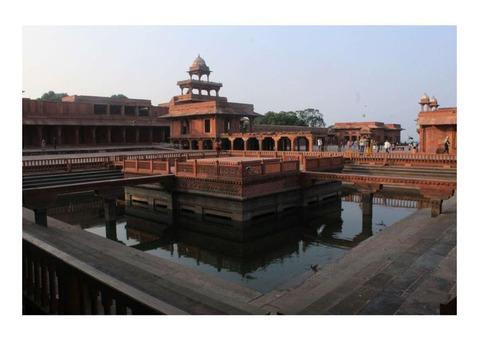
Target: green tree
[(120, 96), (289, 118), (50, 95), (312, 117)]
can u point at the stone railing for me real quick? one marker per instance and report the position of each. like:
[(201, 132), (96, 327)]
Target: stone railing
[(235, 169), (65, 164), (400, 158), (57, 283)]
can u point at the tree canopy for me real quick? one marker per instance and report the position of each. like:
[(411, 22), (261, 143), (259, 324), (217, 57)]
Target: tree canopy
[(307, 117), (50, 95), (122, 96), (313, 117)]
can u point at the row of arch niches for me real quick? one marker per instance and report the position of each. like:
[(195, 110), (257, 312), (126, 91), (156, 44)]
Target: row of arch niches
[(252, 143)]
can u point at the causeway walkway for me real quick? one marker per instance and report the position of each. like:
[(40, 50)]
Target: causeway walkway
[(409, 268)]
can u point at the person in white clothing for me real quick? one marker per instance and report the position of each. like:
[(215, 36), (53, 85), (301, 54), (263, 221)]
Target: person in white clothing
[(387, 146)]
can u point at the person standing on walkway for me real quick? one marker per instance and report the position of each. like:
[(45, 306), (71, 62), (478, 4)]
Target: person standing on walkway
[(361, 144), (446, 144), (387, 146), (320, 144), (217, 147), (44, 144)]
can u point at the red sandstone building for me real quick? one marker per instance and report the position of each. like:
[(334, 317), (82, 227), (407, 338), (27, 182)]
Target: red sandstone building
[(435, 124), (196, 119), (88, 120), (376, 131)]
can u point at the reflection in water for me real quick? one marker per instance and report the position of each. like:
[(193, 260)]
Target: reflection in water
[(265, 255)]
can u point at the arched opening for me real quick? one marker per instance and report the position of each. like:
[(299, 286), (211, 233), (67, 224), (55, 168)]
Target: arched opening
[(130, 134), (28, 135), (238, 144), (252, 144), (301, 144), (117, 135), (84, 135), (268, 144), (101, 135), (185, 144), (284, 144), (194, 144), (145, 135), (226, 144), (207, 144)]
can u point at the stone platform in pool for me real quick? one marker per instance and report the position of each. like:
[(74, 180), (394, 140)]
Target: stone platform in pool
[(231, 188)]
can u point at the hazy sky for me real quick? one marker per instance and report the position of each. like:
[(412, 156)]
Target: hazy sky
[(343, 71)]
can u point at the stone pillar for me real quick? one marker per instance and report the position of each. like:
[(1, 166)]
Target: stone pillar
[(109, 134), (367, 213), (137, 134), (59, 135), (150, 135), (310, 143), (436, 197), (39, 203), (436, 207), (41, 216), (124, 134), (39, 135), (276, 141), (94, 135), (110, 218), (77, 135), (109, 197)]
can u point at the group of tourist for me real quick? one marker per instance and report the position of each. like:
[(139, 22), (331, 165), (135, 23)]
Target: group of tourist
[(366, 144)]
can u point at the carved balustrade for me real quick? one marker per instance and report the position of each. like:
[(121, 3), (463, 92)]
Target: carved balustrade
[(65, 164), (401, 158), (56, 283), (235, 170)]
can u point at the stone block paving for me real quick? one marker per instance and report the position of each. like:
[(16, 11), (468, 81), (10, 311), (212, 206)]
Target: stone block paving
[(407, 269)]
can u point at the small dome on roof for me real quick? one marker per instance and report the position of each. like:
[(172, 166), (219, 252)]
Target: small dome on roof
[(199, 62), (425, 99), (433, 101)]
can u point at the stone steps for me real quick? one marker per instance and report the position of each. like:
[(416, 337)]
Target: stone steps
[(35, 181)]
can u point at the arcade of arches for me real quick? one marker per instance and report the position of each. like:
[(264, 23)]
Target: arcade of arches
[(281, 142)]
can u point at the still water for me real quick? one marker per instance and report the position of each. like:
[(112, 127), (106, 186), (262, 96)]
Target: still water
[(280, 258)]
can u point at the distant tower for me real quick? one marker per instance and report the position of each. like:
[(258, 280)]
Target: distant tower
[(199, 68), (424, 101)]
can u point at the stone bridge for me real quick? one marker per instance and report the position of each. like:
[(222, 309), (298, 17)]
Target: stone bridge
[(436, 190)]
